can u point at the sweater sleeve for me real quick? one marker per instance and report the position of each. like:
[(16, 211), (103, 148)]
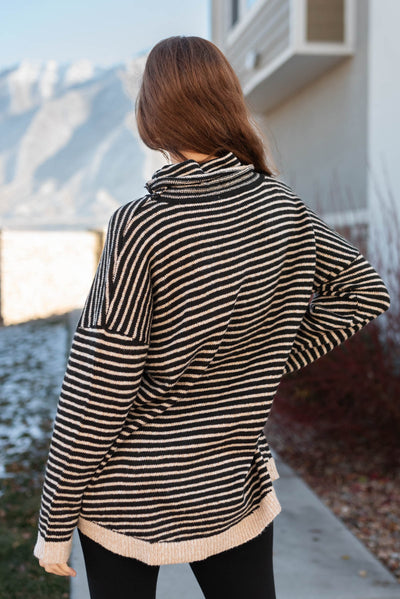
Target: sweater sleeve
[(347, 294), (102, 377)]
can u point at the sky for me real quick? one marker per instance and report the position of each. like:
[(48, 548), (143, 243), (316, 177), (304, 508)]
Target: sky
[(105, 32)]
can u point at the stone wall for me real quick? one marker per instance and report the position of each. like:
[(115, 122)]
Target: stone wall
[(44, 273)]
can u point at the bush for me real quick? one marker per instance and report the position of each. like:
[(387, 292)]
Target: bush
[(354, 389), (352, 386)]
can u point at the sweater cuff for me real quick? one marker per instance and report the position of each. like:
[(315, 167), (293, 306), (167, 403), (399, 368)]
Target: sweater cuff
[(52, 552)]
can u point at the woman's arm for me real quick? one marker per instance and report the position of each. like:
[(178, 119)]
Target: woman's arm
[(103, 374), (347, 294)]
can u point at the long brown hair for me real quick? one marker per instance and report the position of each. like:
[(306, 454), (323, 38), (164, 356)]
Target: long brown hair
[(190, 99)]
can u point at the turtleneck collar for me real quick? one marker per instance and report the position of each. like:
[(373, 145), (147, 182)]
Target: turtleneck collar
[(194, 178)]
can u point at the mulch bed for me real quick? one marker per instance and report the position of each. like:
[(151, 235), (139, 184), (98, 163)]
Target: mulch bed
[(356, 476)]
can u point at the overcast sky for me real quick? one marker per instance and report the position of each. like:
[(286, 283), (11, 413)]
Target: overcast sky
[(104, 31)]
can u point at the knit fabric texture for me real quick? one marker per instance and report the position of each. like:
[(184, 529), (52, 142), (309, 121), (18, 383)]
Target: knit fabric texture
[(210, 288)]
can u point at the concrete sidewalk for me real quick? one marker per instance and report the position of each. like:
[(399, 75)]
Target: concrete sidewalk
[(315, 555)]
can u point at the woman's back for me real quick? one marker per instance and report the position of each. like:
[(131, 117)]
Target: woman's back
[(200, 304)]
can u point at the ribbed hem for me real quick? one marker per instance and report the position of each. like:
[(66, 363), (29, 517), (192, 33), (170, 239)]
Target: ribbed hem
[(185, 551), (272, 469), (52, 552)]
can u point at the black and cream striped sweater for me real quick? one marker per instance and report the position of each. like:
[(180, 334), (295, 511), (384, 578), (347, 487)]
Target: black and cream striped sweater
[(209, 289)]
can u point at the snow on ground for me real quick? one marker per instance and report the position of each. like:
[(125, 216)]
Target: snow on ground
[(32, 365)]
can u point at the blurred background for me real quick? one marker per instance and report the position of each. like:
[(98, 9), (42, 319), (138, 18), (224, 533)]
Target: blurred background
[(321, 80)]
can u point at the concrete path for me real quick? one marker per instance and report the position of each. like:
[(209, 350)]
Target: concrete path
[(315, 555)]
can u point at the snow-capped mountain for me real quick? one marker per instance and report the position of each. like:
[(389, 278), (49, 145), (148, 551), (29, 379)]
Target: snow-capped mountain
[(70, 153)]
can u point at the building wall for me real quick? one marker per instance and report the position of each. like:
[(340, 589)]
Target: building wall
[(43, 273), (384, 93), (319, 136), (383, 175), (337, 140)]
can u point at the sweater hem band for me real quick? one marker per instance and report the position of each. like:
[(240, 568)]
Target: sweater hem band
[(176, 552)]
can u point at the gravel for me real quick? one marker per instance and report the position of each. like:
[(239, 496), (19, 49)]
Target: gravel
[(358, 478)]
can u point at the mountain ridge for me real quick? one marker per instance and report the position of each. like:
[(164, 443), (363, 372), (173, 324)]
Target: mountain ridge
[(70, 153)]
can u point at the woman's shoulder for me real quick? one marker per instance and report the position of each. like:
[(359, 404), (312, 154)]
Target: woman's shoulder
[(276, 182), (130, 215), (129, 210)]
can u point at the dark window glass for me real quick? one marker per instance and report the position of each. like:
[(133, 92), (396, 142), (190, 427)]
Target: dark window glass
[(325, 20), (234, 12)]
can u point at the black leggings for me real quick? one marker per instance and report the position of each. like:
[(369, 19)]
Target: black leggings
[(243, 571)]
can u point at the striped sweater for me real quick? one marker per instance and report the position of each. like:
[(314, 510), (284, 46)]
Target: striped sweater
[(209, 289)]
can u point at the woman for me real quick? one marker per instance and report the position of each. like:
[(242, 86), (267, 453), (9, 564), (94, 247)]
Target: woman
[(210, 288)]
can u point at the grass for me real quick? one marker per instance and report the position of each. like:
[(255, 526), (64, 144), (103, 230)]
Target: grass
[(30, 376), (20, 572)]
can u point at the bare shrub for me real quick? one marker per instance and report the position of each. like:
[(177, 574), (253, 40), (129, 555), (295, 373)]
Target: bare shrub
[(356, 386)]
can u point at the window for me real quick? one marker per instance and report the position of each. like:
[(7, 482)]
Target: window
[(239, 9), (325, 20), (234, 12)]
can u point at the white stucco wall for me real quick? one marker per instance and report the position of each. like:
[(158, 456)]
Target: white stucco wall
[(319, 136), (383, 174)]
